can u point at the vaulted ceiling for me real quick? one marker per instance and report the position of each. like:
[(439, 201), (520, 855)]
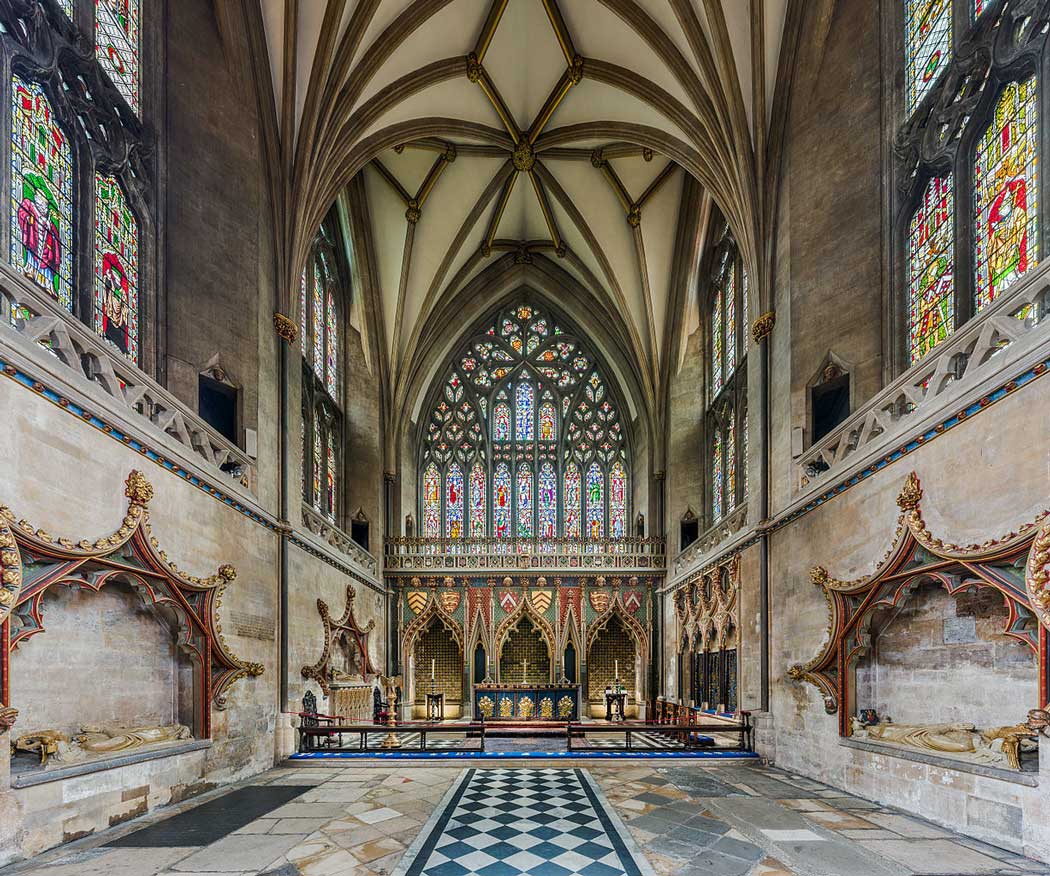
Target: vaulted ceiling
[(590, 133)]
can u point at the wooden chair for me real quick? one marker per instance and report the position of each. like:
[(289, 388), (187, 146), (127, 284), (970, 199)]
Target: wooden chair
[(316, 726)]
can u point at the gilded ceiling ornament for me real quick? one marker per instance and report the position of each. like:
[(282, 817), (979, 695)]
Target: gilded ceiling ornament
[(634, 216), (413, 212), (576, 70), (450, 152), (473, 68), (523, 156), (910, 494), (560, 250), (286, 328), (597, 158), (138, 489), (647, 153), (399, 148), (762, 326)]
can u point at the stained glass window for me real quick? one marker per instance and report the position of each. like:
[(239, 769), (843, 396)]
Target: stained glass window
[(302, 312), (730, 299), (330, 470), (716, 342), (978, 7), (331, 345), (501, 423), (548, 501), (431, 502), (41, 193), (745, 312), (743, 452), (117, 35), (572, 501), (617, 501), (525, 485), (318, 305), (116, 310), (317, 461), (595, 501), (730, 461), (931, 266), (524, 412), (548, 422), (302, 448), (1006, 193), (454, 502), (928, 33), (477, 501), (67, 7), (501, 501), (716, 476)]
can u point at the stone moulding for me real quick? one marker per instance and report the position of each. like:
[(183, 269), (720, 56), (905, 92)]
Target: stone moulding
[(346, 623), (707, 607), (37, 561), (918, 556)]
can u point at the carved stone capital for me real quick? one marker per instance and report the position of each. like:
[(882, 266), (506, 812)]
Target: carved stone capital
[(286, 328), (762, 326)]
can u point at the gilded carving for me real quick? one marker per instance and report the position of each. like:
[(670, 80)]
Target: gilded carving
[(286, 328), (762, 326)]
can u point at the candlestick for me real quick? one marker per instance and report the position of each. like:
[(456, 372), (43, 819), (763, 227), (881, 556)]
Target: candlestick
[(432, 662), (617, 670), (524, 671)]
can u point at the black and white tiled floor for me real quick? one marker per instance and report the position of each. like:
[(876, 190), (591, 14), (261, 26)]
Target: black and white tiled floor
[(512, 822)]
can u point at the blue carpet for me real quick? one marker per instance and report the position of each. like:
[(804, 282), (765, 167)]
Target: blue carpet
[(701, 754)]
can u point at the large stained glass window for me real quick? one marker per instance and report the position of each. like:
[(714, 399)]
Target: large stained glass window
[(717, 479), (548, 501), (730, 304), (454, 502), (317, 461), (717, 348), (67, 7), (525, 409), (330, 478), (477, 501), (617, 501), (41, 193), (573, 529), (931, 269), (1006, 242), (318, 309), (928, 33), (331, 335), (116, 308), (525, 501), (117, 45), (524, 412), (303, 333), (501, 501), (730, 449), (595, 501), (431, 502)]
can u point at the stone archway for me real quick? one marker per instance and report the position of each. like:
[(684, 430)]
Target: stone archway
[(437, 666), (613, 649)]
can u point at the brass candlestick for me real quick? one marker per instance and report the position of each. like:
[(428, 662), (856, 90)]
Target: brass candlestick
[(391, 684)]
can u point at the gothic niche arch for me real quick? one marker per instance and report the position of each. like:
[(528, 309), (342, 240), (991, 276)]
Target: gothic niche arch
[(524, 437)]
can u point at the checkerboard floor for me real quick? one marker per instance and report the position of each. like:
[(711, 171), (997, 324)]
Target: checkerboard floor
[(511, 822), (638, 740), (411, 740)]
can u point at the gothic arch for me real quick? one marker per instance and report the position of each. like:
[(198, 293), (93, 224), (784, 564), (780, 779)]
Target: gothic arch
[(524, 609), (631, 624), (422, 622)]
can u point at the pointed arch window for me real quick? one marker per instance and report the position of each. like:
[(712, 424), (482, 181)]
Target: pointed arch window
[(725, 455), (617, 501), (967, 218), (431, 502), (454, 502), (41, 193), (533, 419), (116, 305)]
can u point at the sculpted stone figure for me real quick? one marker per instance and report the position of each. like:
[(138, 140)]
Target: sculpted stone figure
[(997, 746), (94, 741)]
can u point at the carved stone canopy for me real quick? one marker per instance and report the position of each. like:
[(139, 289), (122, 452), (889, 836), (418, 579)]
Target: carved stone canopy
[(342, 633)]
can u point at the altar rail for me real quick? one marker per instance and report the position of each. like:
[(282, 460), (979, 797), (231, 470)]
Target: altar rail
[(1007, 338), (432, 554), (78, 358)]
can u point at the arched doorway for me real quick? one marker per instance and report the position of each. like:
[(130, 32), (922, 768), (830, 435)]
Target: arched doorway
[(437, 665), (570, 663), (524, 656), (612, 650), (480, 664)]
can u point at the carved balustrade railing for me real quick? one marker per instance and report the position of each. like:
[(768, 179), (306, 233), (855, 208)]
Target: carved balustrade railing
[(524, 553), (326, 530), (984, 354), (709, 540), (78, 358)]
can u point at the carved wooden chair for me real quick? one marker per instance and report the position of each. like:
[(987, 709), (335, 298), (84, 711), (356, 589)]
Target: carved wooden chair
[(381, 708), (317, 727)]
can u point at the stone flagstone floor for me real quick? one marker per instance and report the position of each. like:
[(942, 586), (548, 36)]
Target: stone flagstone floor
[(718, 819)]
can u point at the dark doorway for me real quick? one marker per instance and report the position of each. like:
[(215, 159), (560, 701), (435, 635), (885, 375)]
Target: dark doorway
[(570, 663), (480, 669), (217, 405), (830, 405)]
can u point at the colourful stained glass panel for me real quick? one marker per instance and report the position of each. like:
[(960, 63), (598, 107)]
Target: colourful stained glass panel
[(431, 502), (501, 501), (572, 501), (931, 269), (524, 412), (525, 501), (330, 471), (66, 6), (617, 501), (928, 34), (595, 502), (317, 462), (501, 423), (331, 341), (1006, 193), (717, 486), (548, 422), (477, 501), (730, 293), (302, 312), (318, 305), (716, 343), (454, 502), (41, 193), (117, 29), (116, 310), (548, 502), (730, 461)]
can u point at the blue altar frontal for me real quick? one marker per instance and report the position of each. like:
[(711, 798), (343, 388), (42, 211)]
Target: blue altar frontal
[(526, 702)]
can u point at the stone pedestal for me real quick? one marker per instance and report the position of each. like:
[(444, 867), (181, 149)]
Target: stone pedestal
[(765, 735), (285, 737)]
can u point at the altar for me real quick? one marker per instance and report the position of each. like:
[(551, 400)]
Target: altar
[(525, 702)]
